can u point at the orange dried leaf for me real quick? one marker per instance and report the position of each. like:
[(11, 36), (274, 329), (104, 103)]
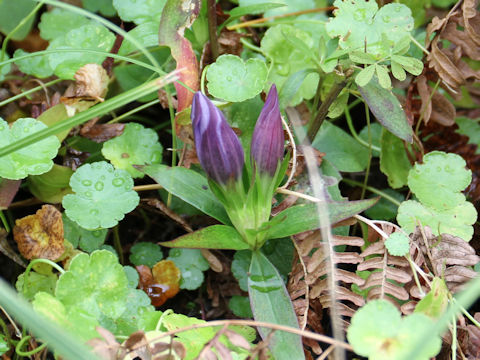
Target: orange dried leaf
[(40, 235), (161, 283)]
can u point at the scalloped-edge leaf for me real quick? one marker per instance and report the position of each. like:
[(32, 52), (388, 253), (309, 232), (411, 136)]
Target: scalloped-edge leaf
[(213, 237), (270, 302), (189, 186), (300, 218), (387, 109)]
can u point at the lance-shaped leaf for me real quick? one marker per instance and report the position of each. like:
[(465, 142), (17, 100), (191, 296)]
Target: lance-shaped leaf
[(300, 218), (176, 17), (268, 139)]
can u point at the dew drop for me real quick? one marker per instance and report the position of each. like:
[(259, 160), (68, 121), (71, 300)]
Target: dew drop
[(93, 212), (386, 18), (102, 177), (86, 182), (229, 78), (99, 186), (2, 127), (283, 69), (88, 194), (118, 182), (359, 14)]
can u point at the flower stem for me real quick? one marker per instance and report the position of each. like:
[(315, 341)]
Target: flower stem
[(212, 28)]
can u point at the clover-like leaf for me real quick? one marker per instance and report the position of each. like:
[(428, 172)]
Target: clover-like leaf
[(92, 36), (360, 24), (438, 181), (33, 159), (398, 244), (192, 264), (378, 332), (232, 79), (456, 221), (95, 283), (102, 196), (139, 11), (136, 146), (145, 253), (87, 240), (281, 43)]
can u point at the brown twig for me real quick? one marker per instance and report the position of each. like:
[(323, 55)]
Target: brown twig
[(212, 27)]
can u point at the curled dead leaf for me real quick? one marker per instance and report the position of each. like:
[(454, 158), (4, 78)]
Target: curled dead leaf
[(40, 235), (160, 283)]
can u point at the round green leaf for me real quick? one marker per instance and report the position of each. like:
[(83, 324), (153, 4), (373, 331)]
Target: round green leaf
[(145, 253), (398, 244), (54, 23), (240, 265), (240, 306), (438, 181), (105, 7), (92, 36), (378, 332), (457, 221), (232, 79), (87, 240), (139, 11), (102, 196), (95, 283), (192, 264), (136, 146), (34, 159)]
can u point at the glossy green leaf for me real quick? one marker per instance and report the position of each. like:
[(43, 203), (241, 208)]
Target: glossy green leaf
[(279, 45), (35, 159), (189, 186), (12, 12), (271, 303), (95, 283), (387, 109), (104, 7), (139, 11), (438, 182), (136, 146), (102, 196), (90, 36), (52, 186), (145, 253), (146, 34), (456, 221), (192, 264), (56, 23), (341, 149), (232, 79), (378, 331), (87, 240), (361, 24), (300, 218), (398, 244), (393, 160), (211, 237)]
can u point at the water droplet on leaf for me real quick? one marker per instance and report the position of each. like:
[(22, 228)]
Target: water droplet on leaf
[(99, 186), (118, 182), (86, 183)]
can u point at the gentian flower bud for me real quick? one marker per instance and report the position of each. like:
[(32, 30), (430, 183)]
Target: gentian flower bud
[(218, 148), (268, 139)]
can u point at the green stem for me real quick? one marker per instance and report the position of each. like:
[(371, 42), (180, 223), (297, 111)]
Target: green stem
[(373, 190), (212, 27), (323, 110), (133, 111), (117, 244), (367, 171), (355, 134), (21, 343), (28, 92), (4, 221), (250, 46), (19, 25)]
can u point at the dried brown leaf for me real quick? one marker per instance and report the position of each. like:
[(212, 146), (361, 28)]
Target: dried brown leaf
[(8, 190), (101, 132), (108, 348), (40, 235)]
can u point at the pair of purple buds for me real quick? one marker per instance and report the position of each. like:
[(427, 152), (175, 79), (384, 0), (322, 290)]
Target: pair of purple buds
[(219, 149)]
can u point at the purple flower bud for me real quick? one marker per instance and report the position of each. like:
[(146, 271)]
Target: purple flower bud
[(268, 139), (218, 147)]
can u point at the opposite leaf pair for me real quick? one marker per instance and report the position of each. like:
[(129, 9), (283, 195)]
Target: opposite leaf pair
[(221, 156)]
